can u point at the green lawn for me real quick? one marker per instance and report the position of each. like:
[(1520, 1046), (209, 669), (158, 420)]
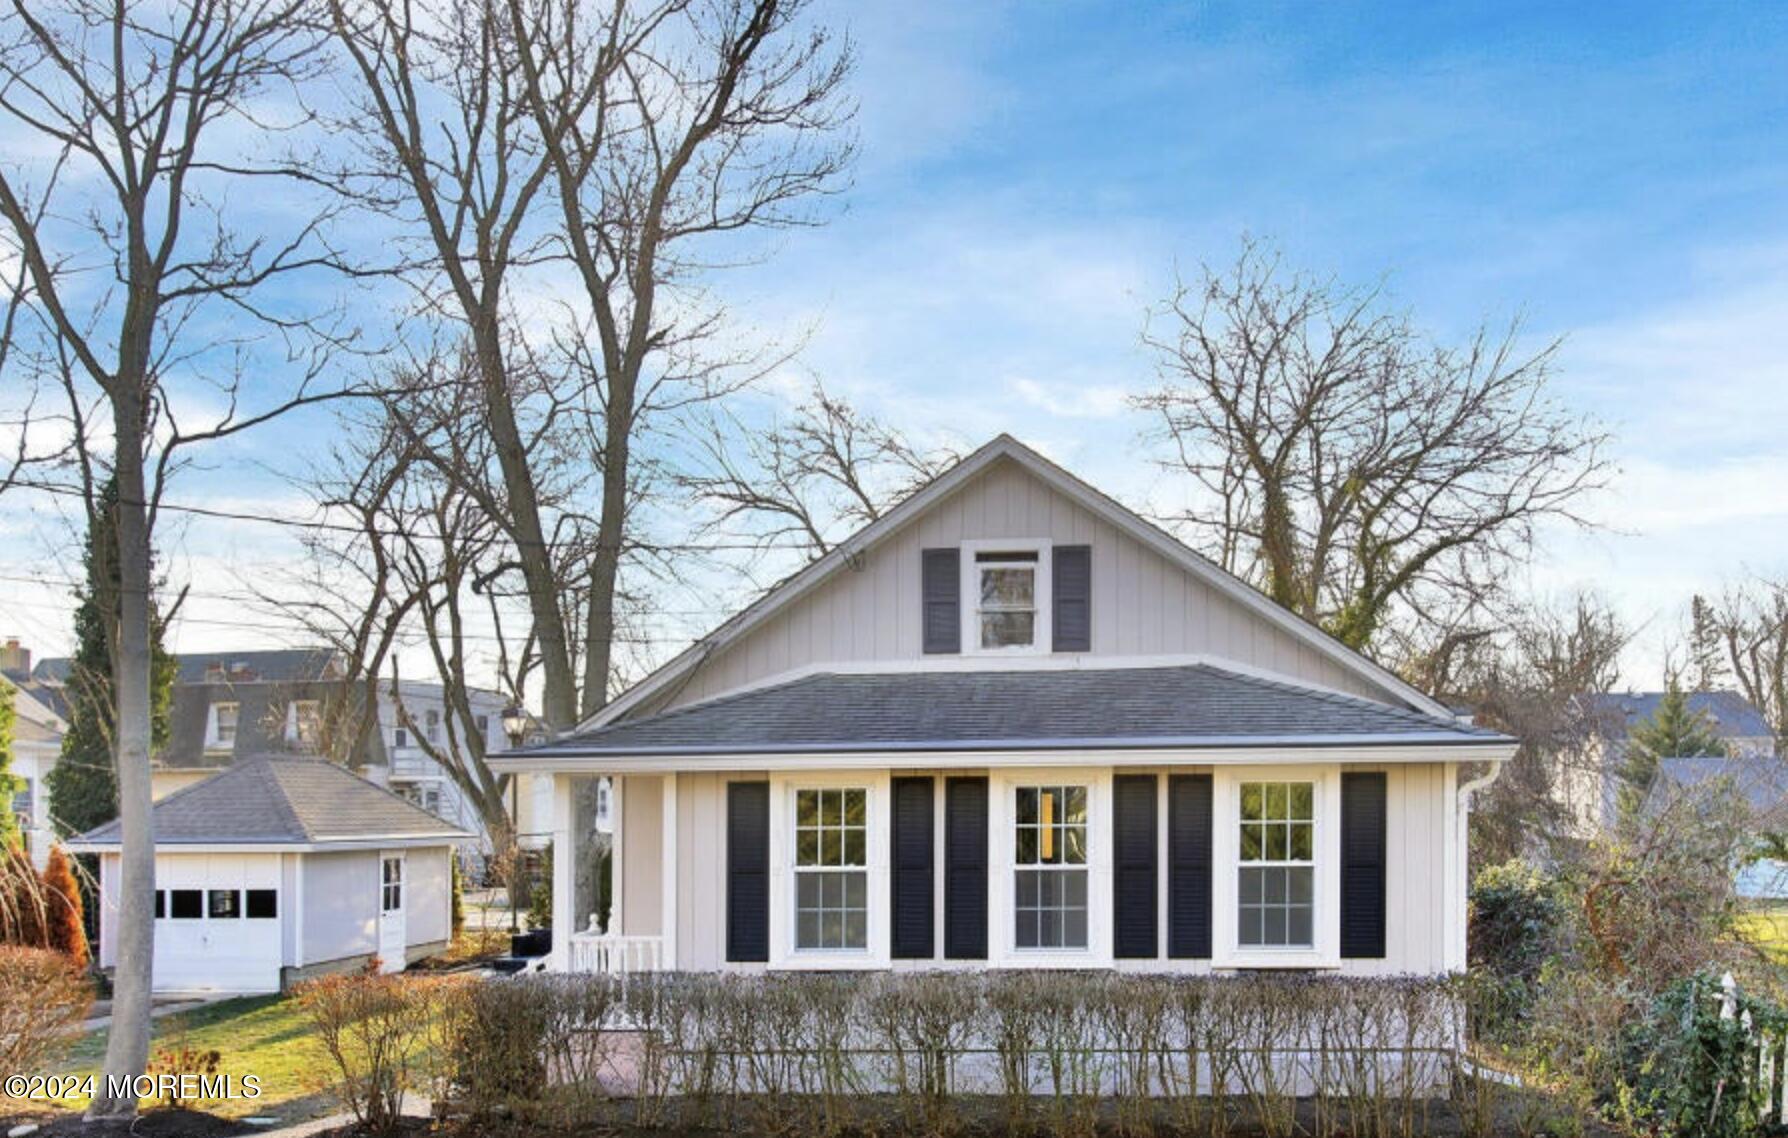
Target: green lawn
[(1767, 929), (265, 1036)]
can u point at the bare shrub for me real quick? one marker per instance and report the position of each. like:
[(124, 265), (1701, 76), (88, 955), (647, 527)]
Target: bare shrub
[(375, 1030), (1071, 1052), (922, 1022), (43, 999), (1132, 1017), (1015, 1012)]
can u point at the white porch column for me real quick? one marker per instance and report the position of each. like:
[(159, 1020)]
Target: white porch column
[(617, 877), (667, 874), (564, 872)]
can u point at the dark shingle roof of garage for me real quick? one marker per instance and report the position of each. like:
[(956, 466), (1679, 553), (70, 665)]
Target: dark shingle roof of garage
[(1184, 705), (283, 801)]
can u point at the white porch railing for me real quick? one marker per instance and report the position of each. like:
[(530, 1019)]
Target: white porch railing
[(616, 955)]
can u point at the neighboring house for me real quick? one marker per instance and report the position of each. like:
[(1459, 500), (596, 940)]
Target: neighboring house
[(36, 745), (277, 869), (1761, 781), (1011, 724), (1590, 775), (227, 705)]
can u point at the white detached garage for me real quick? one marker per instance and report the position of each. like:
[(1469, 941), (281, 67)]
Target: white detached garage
[(278, 869)]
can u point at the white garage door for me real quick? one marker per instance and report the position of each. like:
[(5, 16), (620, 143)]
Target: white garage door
[(217, 923)]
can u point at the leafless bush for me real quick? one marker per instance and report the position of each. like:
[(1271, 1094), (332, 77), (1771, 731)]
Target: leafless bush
[(514, 1042), (922, 1022), (375, 1030), (43, 999), (1132, 1013)]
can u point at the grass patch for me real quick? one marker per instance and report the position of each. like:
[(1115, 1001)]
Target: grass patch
[(265, 1036), (1766, 929)]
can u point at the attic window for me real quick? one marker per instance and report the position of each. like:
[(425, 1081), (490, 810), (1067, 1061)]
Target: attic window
[(224, 717), (1008, 588)]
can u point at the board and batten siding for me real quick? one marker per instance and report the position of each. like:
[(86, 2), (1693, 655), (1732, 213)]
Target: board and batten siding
[(341, 905), (873, 613), (428, 896), (1417, 799), (642, 850)]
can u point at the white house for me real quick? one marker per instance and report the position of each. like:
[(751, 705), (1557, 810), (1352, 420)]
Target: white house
[(278, 869), (36, 745), (243, 702), (1590, 781), (1011, 724)]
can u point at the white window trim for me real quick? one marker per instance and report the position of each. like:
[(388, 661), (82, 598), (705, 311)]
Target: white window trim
[(1226, 950), (1002, 932), (213, 740), (1043, 641), (292, 717), (783, 954)]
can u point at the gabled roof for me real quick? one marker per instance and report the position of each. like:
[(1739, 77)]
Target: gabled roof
[(1732, 716), (1089, 497), (1196, 705), (281, 801), (1761, 781)]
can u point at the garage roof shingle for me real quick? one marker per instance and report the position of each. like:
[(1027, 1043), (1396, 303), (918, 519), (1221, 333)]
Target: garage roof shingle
[(283, 801)]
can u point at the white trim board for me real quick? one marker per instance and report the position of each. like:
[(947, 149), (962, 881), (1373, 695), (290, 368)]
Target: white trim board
[(1267, 752), (1090, 498)]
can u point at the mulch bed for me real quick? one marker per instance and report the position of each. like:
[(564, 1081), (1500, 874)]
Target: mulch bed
[(974, 1117), (149, 1124)]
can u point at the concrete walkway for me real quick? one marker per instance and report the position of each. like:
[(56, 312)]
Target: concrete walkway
[(414, 1106), (161, 1006)]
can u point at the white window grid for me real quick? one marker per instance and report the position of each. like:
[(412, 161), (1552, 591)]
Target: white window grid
[(1049, 857), (1276, 871), (831, 868)]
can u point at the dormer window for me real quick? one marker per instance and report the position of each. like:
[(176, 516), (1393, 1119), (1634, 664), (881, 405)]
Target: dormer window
[(1006, 584), (222, 733)]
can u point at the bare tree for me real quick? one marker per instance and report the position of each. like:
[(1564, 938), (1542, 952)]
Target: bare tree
[(806, 480), (1528, 678), (1744, 634), (122, 232), (635, 145), (1354, 470)]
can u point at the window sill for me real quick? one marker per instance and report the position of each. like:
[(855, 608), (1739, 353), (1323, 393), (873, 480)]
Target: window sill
[(821, 960), (1265, 960)]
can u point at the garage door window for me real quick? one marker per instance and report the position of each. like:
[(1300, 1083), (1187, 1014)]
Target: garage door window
[(263, 904), (225, 904), (161, 904), (186, 904)]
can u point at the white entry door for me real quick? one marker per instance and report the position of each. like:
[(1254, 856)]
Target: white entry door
[(392, 934)]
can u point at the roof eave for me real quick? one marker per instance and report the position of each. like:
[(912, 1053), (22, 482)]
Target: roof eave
[(1405, 748)]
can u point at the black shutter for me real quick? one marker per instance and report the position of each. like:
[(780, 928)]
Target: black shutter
[(1135, 929), (913, 936), (942, 599), (748, 871), (1189, 836), (1071, 579), (965, 868), (1362, 864)]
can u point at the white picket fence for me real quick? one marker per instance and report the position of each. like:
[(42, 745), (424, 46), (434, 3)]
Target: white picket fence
[(1771, 1087)]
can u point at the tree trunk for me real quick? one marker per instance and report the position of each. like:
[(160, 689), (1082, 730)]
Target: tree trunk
[(127, 1046), (599, 641)]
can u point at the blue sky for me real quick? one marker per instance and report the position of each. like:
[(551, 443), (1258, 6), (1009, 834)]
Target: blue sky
[(1032, 175)]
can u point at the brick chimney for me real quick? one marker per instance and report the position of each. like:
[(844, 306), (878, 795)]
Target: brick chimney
[(15, 657)]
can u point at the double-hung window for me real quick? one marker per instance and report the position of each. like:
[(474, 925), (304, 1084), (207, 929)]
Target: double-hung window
[(307, 723), (1050, 867), (1006, 599), (832, 868), (1276, 870), (224, 717)]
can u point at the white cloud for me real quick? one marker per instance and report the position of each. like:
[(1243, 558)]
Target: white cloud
[(1072, 401)]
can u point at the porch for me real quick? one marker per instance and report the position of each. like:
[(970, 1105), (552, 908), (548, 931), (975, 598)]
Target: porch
[(619, 887)]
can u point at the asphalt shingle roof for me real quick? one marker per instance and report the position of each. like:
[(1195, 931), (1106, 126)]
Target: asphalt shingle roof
[(1036, 709), (1732, 716), (283, 801)]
